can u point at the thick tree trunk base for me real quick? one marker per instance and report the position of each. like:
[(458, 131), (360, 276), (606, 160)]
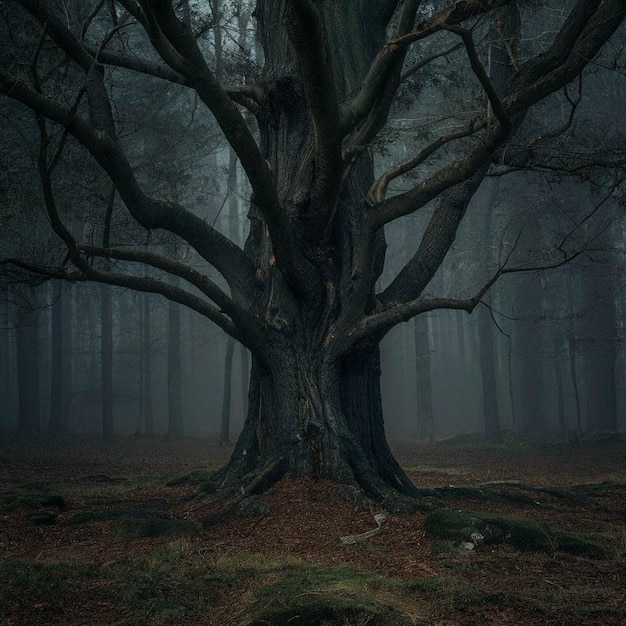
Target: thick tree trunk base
[(309, 417)]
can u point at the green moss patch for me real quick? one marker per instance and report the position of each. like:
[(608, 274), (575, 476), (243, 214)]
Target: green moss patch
[(524, 534)]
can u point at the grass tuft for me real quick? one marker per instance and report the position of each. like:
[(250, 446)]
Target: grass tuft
[(294, 592)]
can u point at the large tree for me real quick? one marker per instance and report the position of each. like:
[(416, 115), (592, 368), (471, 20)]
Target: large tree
[(301, 294)]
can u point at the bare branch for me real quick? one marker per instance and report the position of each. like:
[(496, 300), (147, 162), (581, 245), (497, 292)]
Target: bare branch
[(150, 285), (436, 241), (484, 79), (388, 84), (87, 272), (137, 64), (361, 104), (407, 73), (443, 179), (586, 30), (167, 264), (187, 58), (392, 314), (604, 21), (218, 250), (378, 190)]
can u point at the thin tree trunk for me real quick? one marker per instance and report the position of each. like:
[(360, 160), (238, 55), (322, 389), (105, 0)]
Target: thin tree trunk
[(244, 358), (233, 229), (7, 367), (532, 418), (61, 362), (106, 362), (601, 353), (145, 397), (510, 380), (560, 400), (27, 348), (174, 373), (106, 336), (56, 363), (574, 376), (227, 392), (493, 433), (425, 420)]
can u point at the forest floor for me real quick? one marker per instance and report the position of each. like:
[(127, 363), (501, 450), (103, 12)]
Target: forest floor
[(126, 548)]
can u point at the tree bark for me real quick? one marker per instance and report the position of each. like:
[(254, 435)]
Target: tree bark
[(313, 408)]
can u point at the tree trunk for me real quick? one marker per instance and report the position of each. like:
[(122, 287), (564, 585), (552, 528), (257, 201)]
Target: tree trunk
[(61, 374), (487, 204), (601, 352), (145, 400), (106, 361), (531, 398), (310, 416), (530, 341), (233, 230), (491, 415), (27, 348), (560, 396), (312, 410), (106, 336), (227, 392), (175, 428), (56, 367), (573, 370), (8, 369), (425, 420), (244, 359)]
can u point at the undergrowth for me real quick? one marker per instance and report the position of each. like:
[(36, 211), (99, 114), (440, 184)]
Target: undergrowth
[(182, 583)]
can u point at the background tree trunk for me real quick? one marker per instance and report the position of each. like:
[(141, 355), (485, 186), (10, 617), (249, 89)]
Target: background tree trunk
[(491, 414), (106, 361), (425, 420), (175, 428), (600, 348), (146, 410), (27, 348), (61, 364), (227, 392)]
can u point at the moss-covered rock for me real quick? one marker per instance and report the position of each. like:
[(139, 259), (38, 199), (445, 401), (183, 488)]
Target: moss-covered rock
[(524, 534)]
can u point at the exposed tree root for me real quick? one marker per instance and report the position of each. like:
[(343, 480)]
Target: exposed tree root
[(482, 491), (583, 501)]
